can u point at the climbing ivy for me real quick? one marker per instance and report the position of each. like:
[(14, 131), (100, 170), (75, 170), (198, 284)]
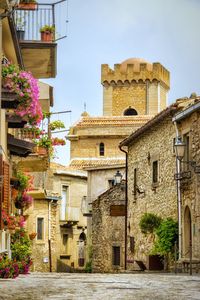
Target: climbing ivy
[(167, 235)]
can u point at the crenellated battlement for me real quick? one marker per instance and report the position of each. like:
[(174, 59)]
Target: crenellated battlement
[(135, 72)]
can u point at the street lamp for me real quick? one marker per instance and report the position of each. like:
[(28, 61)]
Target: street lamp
[(118, 177), (179, 148)]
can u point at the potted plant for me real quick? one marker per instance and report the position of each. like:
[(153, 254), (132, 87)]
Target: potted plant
[(47, 33), (44, 144), (25, 86), (56, 125), (20, 26), (27, 4)]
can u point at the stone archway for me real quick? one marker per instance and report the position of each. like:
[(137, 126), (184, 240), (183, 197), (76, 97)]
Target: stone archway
[(81, 249), (187, 231)]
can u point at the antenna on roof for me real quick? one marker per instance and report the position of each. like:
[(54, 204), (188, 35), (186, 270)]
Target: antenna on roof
[(84, 106)]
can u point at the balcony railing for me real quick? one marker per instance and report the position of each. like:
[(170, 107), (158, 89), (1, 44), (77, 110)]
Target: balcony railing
[(28, 22), (71, 214)]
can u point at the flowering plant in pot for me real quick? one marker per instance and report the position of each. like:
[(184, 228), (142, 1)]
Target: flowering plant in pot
[(58, 141), (56, 125), (23, 200), (47, 33), (26, 88)]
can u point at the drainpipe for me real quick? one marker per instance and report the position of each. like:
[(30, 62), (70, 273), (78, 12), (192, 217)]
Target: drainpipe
[(179, 201), (126, 208), (49, 235)]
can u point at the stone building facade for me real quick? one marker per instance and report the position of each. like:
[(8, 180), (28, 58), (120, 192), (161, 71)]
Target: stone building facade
[(108, 224), (151, 184), (57, 219), (133, 92), (188, 125)]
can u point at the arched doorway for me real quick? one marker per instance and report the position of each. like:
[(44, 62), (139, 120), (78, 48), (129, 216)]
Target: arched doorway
[(81, 249), (187, 232)]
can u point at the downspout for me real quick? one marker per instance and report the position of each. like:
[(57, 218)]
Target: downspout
[(179, 201), (49, 235), (126, 208)]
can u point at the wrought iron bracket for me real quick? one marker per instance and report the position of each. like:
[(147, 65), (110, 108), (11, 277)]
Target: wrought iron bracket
[(182, 175)]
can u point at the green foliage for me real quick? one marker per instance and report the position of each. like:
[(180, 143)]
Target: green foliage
[(20, 246), (45, 142), (88, 267), (23, 181), (167, 235), (56, 125), (149, 222), (47, 28)]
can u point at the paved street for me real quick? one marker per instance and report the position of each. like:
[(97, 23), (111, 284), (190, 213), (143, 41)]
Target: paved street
[(100, 286)]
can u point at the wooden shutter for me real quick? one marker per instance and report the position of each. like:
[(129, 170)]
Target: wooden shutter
[(6, 187)]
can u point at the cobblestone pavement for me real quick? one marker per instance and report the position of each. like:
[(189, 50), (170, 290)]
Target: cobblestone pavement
[(100, 286)]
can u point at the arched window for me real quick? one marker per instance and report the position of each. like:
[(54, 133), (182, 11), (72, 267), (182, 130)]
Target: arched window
[(101, 149), (82, 236), (130, 112)]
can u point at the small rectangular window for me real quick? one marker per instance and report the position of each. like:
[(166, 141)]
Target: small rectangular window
[(116, 255), (132, 244), (135, 184), (101, 149), (40, 228), (155, 172)]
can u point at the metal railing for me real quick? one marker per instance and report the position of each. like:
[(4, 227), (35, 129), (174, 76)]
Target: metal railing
[(28, 22)]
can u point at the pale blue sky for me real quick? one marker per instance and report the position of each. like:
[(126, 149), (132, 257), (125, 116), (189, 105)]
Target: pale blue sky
[(110, 31)]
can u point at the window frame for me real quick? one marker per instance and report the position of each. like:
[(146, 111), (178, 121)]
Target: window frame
[(116, 256), (155, 183), (43, 228), (101, 149)]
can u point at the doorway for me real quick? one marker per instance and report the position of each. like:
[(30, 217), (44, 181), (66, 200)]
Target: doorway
[(187, 232)]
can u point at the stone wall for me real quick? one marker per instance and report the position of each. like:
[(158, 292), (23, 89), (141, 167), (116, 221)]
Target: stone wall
[(190, 188), (160, 199), (107, 230)]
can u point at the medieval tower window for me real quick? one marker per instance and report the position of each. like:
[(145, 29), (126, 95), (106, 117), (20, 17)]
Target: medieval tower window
[(116, 255), (101, 149), (130, 112)]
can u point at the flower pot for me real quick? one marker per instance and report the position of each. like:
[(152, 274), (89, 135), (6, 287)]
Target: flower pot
[(14, 193), (47, 36), (20, 34), (18, 204), (27, 6), (32, 235), (42, 151)]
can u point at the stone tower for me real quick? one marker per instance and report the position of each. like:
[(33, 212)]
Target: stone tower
[(133, 93), (134, 87)]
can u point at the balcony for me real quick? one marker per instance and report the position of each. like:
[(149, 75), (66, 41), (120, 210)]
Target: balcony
[(39, 56), (86, 207), (19, 147), (72, 217), (36, 161)]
